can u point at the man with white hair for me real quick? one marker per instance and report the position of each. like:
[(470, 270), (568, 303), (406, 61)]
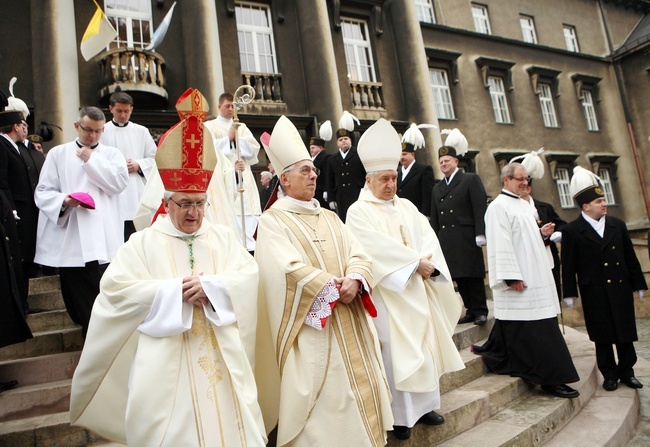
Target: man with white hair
[(318, 360), (417, 307), (525, 341)]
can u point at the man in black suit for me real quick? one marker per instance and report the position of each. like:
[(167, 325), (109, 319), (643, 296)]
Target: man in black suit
[(346, 175), (414, 180), (265, 190), (458, 207), (16, 184), (545, 214), (597, 249), (320, 159)]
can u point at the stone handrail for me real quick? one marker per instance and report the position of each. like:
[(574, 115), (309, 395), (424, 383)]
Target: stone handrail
[(366, 95), (133, 69), (268, 86)]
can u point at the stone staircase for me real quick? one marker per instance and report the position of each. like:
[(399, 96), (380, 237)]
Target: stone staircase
[(481, 409)]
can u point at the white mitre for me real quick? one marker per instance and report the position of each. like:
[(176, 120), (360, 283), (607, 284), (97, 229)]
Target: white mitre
[(286, 146), (380, 147)]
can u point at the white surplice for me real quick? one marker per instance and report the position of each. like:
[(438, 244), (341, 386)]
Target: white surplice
[(516, 251), (72, 236), (156, 371), (135, 142), (416, 317)]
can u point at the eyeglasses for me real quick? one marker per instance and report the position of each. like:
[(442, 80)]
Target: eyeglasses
[(306, 170), (521, 179), (88, 130), (186, 206)]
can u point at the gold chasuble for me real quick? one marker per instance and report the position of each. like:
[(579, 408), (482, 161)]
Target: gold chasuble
[(326, 387), (155, 372)]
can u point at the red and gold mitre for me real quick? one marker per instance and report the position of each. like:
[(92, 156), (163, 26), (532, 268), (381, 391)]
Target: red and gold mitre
[(186, 155)]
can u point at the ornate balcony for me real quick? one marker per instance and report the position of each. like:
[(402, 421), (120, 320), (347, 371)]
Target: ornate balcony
[(141, 73), (367, 95), (268, 86)]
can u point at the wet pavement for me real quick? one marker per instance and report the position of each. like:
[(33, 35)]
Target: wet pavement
[(643, 331)]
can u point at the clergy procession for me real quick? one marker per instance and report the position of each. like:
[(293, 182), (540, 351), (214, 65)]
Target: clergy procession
[(318, 310)]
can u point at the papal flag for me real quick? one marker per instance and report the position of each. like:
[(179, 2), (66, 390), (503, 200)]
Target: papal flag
[(98, 35)]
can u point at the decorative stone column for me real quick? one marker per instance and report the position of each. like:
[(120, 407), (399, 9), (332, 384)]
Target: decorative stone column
[(56, 74), (414, 72), (319, 61), (202, 50)]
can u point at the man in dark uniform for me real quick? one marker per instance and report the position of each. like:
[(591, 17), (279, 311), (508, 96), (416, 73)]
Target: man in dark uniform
[(16, 185), (34, 160), (346, 175), (320, 159), (457, 211), (597, 249), (414, 180)]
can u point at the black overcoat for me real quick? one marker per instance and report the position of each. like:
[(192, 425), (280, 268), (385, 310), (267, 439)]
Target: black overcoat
[(547, 214), (608, 272), (417, 186), (320, 162), (457, 217), (345, 179)]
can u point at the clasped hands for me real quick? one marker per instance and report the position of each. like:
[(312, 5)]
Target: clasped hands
[(426, 267), (349, 289), (193, 292)]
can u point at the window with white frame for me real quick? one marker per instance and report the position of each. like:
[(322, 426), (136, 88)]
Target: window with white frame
[(424, 9), (255, 37), (358, 50), (441, 93), (589, 110), (571, 38), (546, 103), (563, 182), (499, 100), (606, 183), (132, 21), (528, 29), (481, 19)]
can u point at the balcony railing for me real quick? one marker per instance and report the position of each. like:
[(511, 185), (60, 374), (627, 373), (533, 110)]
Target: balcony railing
[(133, 70), (367, 95), (268, 86)]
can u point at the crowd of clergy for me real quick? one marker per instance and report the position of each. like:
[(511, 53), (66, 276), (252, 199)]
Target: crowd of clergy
[(319, 310)]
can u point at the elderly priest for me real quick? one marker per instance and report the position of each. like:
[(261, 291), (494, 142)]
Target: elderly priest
[(319, 370), (417, 308), (164, 362)]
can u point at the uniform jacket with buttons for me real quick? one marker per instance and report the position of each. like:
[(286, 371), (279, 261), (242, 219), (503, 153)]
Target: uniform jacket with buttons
[(608, 272), (320, 162), (457, 216), (417, 186), (346, 178)]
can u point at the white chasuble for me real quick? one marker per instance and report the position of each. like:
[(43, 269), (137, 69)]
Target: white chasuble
[(326, 387), (156, 373), (416, 317), (516, 251)]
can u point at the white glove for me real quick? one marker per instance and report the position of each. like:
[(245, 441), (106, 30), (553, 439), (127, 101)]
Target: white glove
[(16, 215), (556, 236), (333, 206), (325, 196), (569, 302), (480, 241), (641, 293)]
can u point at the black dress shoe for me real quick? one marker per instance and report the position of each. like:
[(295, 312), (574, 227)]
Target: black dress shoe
[(468, 318), (610, 384), (480, 320), (402, 433), (561, 391), (4, 386), (432, 418), (632, 382)]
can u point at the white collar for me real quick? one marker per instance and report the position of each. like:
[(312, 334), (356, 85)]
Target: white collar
[(597, 225), (406, 170), (309, 204), (451, 177)]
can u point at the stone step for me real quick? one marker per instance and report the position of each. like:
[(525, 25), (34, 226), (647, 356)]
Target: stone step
[(45, 343), (51, 430), (44, 284), (40, 370), (51, 300), (475, 411), (50, 321), (35, 400)]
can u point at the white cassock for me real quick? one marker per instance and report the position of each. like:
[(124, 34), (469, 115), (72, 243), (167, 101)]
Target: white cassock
[(325, 386), (249, 148), (156, 371), (516, 251), (135, 142), (416, 318), (72, 236)]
